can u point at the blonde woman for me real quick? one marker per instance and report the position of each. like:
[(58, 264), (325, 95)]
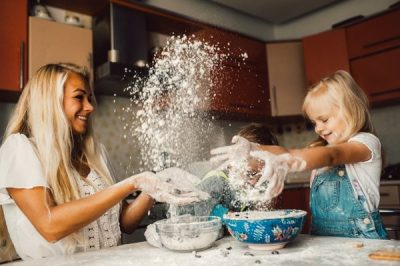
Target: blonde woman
[(56, 188), (344, 195)]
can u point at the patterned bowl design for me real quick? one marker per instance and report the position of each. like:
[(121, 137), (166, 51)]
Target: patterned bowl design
[(265, 230)]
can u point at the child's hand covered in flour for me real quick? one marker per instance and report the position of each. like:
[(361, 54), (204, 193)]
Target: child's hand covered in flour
[(235, 154), (275, 170), (164, 190)]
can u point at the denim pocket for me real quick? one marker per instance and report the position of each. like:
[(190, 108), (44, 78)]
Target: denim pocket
[(327, 194), (373, 230)]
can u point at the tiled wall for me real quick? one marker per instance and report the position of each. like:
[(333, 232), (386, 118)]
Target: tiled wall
[(124, 152)]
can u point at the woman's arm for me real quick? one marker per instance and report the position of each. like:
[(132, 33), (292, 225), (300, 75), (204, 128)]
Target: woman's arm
[(317, 157), (134, 212), (55, 222)]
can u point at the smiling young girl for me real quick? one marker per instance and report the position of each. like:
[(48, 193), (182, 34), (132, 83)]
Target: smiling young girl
[(56, 188), (347, 157)]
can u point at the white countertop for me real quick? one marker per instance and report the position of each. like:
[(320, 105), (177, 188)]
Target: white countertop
[(305, 250)]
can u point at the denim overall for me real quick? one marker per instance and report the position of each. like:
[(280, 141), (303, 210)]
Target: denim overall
[(335, 211)]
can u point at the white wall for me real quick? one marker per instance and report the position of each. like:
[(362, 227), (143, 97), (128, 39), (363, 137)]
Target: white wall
[(323, 20)]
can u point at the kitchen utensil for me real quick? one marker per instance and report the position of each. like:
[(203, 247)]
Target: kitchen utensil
[(72, 20), (188, 233), (265, 230), (385, 255), (41, 11)]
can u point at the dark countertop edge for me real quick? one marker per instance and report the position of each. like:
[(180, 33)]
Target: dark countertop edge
[(390, 182), (307, 184), (297, 185)]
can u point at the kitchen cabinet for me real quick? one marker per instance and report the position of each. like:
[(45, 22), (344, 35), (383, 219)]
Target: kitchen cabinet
[(287, 85), (378, 33), (53, 42), (389, 205), (374, 52), (378, 76), (297, 197), (240, 84), (324, 54), (13, 46)]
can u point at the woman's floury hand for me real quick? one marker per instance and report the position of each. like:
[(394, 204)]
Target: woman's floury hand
[(233, 155), (167, 186)]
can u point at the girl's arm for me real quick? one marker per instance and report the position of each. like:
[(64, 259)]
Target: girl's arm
[(317, 157), (55, 222), (134, 212)]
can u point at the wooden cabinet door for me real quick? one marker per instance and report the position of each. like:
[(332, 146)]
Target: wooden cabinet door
[(287, 85), (324, 54), (374, 35), (13, 32), (379, 76), (241, 83), (53, 42), (240, 92)]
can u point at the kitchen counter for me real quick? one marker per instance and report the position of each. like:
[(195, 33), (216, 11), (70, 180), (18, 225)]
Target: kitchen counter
[(305, 250)]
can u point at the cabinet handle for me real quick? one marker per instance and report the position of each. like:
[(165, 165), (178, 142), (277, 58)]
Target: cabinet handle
[(21, 64), (390, 39), (385, 92), (274, 100)]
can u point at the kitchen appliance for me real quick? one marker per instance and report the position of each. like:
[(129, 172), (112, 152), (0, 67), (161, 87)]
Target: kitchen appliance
[(391, 172), (120, 48)]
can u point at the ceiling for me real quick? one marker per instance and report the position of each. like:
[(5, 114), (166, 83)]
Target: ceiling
[(276, 11)]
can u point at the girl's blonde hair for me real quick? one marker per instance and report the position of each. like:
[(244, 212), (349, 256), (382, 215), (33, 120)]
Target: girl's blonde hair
[(39, 114), (340, 92)]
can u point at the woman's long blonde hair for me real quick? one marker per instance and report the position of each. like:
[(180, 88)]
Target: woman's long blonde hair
[(340, 91), (39, 115)]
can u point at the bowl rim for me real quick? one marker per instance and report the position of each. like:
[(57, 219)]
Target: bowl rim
[(212, 219), (296, 214)]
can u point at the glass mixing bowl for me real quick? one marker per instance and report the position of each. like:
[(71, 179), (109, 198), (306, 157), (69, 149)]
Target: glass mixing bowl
[(188, 233)]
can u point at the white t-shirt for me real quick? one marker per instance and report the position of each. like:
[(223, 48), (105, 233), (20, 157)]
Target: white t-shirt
[(21, 168), (365, 176)]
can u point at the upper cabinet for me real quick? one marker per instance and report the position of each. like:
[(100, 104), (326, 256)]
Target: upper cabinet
[(13, 45), (374, 35), (369, 49), (53, 42), (287, 85), (325, 53), (241, 83), (374, 52)]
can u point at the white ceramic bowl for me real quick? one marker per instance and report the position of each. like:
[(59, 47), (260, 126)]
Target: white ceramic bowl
[(188, 233)]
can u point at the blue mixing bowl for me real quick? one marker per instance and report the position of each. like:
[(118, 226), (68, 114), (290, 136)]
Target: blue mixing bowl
[(265, 230)]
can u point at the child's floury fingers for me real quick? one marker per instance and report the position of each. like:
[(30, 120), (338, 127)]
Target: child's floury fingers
[(236, 138), (221, 150), (219, 158)]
